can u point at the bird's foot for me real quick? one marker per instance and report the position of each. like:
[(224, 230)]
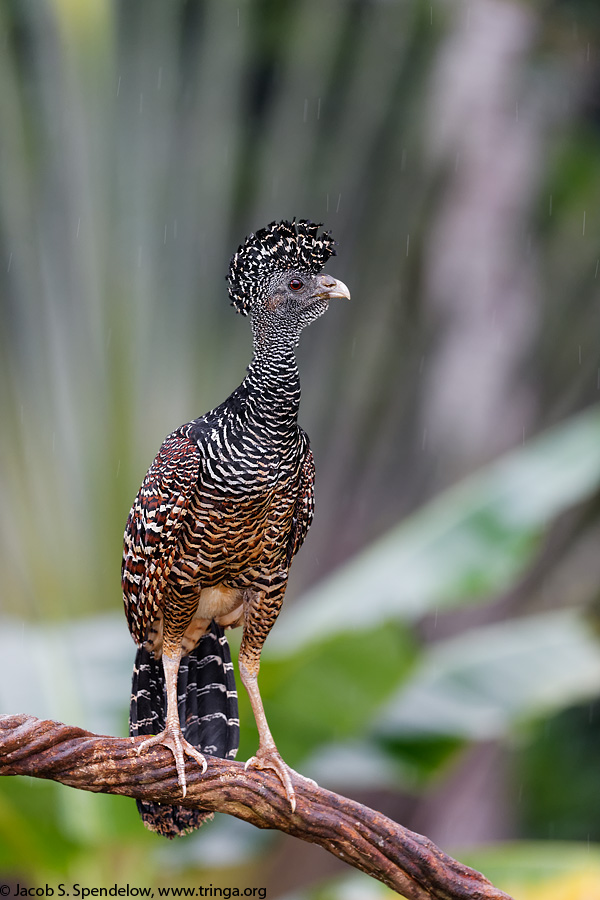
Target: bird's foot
[(173, 739), (270, 759)]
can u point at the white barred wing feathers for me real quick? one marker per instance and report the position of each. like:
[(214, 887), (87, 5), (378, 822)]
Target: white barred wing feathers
[(153, 530)]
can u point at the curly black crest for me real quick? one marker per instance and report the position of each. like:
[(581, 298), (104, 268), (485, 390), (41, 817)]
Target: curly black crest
[(280, 247)]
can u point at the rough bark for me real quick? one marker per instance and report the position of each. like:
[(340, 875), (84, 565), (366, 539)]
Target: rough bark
[(407, 862)]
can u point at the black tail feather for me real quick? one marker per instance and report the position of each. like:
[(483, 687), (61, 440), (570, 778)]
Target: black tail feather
[(208, 712)]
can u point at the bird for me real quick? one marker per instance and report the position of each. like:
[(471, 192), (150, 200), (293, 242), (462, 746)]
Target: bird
[(219, 517)]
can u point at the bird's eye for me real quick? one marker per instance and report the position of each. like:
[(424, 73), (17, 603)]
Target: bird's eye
[(295, 284)]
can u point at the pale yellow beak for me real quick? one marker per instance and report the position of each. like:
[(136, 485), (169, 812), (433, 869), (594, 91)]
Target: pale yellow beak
[(333, 288)]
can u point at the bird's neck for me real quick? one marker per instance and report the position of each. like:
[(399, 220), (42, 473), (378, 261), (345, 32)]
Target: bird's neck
[(273, 378)]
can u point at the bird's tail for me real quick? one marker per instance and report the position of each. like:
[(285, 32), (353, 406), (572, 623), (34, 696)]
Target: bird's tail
[(208, 712)]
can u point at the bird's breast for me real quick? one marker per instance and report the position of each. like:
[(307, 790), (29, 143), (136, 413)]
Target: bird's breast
[(222, 603)]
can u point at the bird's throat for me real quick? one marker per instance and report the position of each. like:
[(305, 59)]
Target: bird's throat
[(274, 380)]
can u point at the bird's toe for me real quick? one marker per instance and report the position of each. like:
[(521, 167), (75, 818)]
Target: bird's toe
[(311, 781), (174, 741), (189, 750)]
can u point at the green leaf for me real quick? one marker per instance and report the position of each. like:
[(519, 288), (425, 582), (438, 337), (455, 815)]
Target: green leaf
[(483, 683), (28, 831), (559, 773), (420, 757), (382, 761), (469, 543)]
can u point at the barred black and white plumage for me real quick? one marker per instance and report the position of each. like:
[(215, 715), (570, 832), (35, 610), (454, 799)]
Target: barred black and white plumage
[(221, 513)]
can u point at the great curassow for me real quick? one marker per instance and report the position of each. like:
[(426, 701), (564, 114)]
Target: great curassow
[(221, 513)]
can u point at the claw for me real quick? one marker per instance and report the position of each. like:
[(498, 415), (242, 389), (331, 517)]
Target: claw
[(173, 740)]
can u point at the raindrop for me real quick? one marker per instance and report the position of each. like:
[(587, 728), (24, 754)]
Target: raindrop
[(305, 109), (407, 243), (118, 467), (424, 439), (327, 203), (583, 226), (597, 264), (580, 354), (165, 236), (9, 261), (141, 102), (403, 160), (238, 17), (78, 226), (119, 86), (337, 209), (159, 80), (319, 108), (550, 206)]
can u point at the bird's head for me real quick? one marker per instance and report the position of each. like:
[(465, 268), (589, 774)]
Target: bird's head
[(276, 275)]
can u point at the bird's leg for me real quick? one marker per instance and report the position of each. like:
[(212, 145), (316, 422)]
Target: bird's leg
[(267, 756), (259, 616), (172, 736)]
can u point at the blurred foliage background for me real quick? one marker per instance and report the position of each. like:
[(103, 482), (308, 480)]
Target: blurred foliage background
[(437, 655)]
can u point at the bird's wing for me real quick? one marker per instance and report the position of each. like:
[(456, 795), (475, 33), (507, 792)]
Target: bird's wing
[(152, 532), (305, 505)]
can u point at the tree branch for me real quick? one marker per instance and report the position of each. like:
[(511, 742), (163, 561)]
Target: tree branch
[(407, 862)]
